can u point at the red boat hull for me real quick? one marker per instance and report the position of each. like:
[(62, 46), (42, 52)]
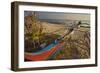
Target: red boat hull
[(44, 55)]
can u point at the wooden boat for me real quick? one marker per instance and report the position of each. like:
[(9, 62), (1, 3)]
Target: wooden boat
[(45, 53)]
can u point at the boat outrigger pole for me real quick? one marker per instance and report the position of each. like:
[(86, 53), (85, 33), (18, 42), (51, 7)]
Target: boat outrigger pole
[(70, 30)]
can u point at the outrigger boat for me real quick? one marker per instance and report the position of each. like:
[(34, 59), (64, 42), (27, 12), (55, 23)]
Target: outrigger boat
[(49, 51)]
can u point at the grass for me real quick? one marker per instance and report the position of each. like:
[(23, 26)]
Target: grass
[(75, 48)]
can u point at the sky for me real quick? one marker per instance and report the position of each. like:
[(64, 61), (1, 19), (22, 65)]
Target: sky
[(59, 15)]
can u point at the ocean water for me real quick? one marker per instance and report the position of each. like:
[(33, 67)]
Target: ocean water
[(66, 22)]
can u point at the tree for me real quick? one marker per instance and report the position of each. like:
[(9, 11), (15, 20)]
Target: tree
[(34, 29)]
